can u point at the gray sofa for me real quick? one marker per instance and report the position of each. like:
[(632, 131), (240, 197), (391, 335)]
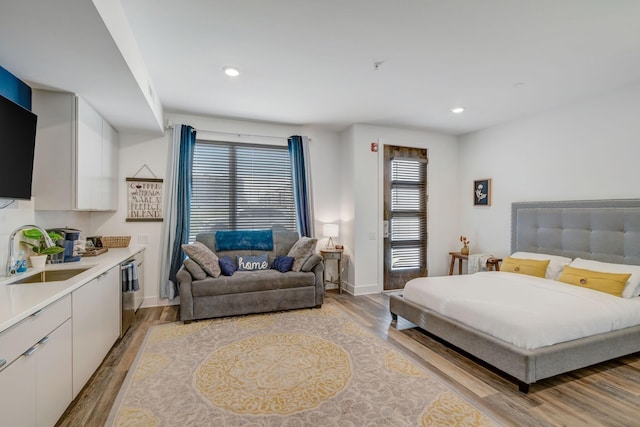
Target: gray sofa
[(247, 292)]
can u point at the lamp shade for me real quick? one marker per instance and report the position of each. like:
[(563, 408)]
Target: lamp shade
[(330, 230)]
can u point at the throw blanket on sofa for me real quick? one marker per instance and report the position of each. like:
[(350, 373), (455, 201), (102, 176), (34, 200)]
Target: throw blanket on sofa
[(236, 240)]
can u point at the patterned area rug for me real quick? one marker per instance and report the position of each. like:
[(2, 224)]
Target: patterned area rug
[(313, 367)]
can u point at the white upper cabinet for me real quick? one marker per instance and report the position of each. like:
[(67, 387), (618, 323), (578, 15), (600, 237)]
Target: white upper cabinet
[(110, 147), (76, 156)]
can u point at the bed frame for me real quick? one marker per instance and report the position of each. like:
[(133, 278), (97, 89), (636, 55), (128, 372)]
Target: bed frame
[(602, 230)]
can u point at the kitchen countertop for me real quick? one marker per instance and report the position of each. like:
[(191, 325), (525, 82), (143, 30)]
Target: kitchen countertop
[(17, 302)]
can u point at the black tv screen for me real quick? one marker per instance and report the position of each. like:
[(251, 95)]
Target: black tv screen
[(17, 144)]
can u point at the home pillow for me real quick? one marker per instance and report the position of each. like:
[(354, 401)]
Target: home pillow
[(556, 262), (251, 263), (204, 257), (530, 267), (194, 269), (227, 266), (611, 283), (283, 263), (631, 289), (301, 250)]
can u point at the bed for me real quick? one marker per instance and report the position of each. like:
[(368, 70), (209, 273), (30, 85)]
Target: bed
[(603, 230)]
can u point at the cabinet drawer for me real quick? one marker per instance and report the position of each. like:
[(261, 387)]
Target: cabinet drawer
[(331, 255), (20, 337)]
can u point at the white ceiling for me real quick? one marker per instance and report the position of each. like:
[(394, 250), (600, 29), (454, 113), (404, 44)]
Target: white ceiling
[(312, 62)]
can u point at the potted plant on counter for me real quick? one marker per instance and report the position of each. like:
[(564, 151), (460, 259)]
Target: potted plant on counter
[(40, 248)]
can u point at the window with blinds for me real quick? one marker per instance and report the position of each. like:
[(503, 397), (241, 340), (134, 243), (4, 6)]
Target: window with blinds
[(408, 216), (241, 186)]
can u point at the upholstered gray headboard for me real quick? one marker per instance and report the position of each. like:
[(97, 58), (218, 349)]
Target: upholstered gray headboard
[(603, 230)]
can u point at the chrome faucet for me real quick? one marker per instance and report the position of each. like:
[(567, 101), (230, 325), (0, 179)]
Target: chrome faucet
[(11, 262)]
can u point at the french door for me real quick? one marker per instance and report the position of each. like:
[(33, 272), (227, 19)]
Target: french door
[(405, 215)]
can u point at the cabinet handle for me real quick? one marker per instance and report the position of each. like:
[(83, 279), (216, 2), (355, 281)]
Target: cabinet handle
[(2, 362), (37, 313), (44, 340), (31, 350)]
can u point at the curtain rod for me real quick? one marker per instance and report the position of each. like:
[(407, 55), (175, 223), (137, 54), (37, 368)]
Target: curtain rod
[(239, 135)]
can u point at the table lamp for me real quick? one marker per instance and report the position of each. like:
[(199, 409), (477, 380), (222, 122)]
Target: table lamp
[(330, 231)]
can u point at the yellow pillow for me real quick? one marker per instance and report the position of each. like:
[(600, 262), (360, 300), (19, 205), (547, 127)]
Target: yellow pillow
[(611, 283), (531, 267)]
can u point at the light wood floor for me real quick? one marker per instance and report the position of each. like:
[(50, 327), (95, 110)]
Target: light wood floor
[(607, 394)]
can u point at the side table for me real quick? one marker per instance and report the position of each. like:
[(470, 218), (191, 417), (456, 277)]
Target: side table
[(335, 254), (493, 263)]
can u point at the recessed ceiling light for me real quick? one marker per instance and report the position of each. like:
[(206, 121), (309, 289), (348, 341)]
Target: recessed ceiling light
[(457, 110), (231, 71)]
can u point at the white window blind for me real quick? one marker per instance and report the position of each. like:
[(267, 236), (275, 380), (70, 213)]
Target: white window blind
[(241, 186), (408, 216)]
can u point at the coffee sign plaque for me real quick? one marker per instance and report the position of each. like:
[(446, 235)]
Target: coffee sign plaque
[(144, 199)]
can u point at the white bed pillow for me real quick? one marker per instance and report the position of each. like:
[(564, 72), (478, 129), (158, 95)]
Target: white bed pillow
[(556, 262), (631, 289)]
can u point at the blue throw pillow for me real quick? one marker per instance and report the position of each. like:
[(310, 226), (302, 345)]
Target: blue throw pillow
[(250, 263), (283, 263), (227, 266)]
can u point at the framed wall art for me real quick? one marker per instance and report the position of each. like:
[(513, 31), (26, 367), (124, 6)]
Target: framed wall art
[(144, 198), (482, 192)]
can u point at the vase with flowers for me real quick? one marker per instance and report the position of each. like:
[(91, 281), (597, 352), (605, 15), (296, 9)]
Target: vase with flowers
[(465, 247)]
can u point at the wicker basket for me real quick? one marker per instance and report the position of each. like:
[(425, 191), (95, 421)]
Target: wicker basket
[(115, 241)]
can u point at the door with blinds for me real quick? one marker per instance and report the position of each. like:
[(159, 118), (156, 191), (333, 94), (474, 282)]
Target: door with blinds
[(405, 215)]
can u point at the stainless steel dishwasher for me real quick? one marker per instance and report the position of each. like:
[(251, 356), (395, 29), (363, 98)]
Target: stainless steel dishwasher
[(131, 299)]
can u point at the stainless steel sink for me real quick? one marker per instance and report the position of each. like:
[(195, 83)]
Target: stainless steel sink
[(52, 275)]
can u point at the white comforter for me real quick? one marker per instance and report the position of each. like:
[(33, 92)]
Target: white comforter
[(526, 311)]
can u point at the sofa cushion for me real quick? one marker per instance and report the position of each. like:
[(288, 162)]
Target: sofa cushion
[(301, 250), (311, 262), (283, 263), (227, 266), (194, 269), (204, 257), (251, 281), (251, 263)]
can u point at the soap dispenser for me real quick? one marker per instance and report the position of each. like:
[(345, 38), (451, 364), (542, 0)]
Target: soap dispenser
[(21, 263)]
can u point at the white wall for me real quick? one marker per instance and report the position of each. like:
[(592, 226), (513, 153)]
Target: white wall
[(348, 206), (364, 198), (588, 150), (136, 151)]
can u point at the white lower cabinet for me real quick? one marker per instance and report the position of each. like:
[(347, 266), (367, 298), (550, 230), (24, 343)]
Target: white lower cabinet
[(96, 324), (35, 381), (47, 358), (53, 376), (18, 391)]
